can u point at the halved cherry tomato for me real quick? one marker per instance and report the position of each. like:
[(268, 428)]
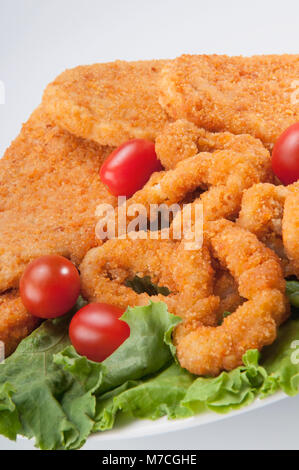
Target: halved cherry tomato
[(96, 331), (129, 167), (50, 286), (285, 155)]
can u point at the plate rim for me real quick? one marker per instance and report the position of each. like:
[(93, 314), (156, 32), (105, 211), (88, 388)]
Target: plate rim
[(134, 430)]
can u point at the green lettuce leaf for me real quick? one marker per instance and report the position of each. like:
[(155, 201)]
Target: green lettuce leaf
[(292, 290), (50, 392), (230, 390), (43, 400), (10, 424), (144, 284), (281, 360), (147, 350), (106, 408), (152, 398)]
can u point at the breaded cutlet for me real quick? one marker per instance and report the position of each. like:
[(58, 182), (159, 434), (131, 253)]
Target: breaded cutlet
[(49, 190), (244, 95), (15, 322), (108, 103)]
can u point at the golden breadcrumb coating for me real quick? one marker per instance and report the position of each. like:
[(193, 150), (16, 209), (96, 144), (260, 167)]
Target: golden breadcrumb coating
[(270, 212), (222, 165), (290, 229), (49, 190), (198, 294), (15, 322), (243, 95), (226, 288), (187, 274), (207, 350), (108, 103), (214, 120)]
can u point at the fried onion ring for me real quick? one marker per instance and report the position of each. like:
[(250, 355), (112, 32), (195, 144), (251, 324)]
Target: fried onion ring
[(207, 350), (222, 165), (187, 274), (198, 293), (271, 213)]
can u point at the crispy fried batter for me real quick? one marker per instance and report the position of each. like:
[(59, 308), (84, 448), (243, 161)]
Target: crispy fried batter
[(49, 189), (270, 212), (252, 95), (221, 164), (206, 350), (187, 274), (15, 322), (108, 103), (197, 294), (290, 228), (226, 289)]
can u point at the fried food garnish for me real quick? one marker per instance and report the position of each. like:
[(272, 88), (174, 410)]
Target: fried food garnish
[(226, 288), (15, 322), (49, 190), (198, 294), (221, 165), (270, 213), (188, 275), (207, 350), (243, 95), (290, 229), (108, 103)]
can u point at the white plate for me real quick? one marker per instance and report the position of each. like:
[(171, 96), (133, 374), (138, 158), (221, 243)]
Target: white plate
[(145, 428)]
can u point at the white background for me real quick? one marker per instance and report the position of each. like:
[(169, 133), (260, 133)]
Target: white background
[(40, 38)]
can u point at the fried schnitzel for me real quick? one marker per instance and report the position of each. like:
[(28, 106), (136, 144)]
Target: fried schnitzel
[(49, 190), (108, 103), (244, 95), (15, 322)]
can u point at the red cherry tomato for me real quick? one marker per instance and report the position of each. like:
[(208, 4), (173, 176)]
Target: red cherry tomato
[(285, 155), (50, 286), (129, 167), (96, 331)]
